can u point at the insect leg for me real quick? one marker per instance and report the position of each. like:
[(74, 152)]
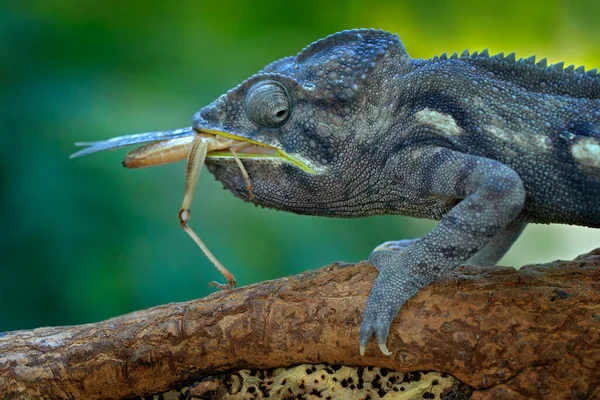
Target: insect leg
[(195, 163), (244, 172)]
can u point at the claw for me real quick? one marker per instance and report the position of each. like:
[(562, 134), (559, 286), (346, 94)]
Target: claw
[(222, 286), (384, 349)]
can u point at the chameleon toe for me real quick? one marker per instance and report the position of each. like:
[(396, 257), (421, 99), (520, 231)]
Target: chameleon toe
[(384, 349)]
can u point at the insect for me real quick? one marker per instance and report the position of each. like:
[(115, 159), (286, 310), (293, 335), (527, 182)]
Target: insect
[(170, 146)]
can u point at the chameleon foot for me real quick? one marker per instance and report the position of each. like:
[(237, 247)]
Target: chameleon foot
[(392, 288)]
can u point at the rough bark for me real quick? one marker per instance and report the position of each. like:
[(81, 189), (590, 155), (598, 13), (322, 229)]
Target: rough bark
[(533, 332)]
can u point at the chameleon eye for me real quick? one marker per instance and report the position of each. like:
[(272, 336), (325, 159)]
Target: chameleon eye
[(268, 104)]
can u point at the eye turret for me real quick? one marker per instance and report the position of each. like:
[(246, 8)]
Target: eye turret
[(268, 104)]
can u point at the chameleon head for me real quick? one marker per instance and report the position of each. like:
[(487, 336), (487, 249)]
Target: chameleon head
[(311, 132), (319, 114)]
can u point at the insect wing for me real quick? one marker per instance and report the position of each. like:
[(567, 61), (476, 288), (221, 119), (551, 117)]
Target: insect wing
[(127, 140)]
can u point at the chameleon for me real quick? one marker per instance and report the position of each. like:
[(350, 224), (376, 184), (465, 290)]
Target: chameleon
[(352, 126)]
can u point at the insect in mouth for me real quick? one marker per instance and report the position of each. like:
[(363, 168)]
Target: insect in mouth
[(197, 145)]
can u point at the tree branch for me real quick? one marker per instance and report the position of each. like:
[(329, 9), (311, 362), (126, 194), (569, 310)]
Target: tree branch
[(531, 331)]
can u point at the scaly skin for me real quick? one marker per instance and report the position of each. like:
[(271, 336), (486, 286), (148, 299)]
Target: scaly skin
[(483, 144)]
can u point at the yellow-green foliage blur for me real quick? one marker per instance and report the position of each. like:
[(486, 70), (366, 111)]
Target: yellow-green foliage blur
[(84, 239)]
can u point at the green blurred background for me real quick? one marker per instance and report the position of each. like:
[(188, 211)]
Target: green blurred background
[(85, 239)]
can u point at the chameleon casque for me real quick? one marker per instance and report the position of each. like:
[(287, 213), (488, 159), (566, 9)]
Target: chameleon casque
[(485, 144)]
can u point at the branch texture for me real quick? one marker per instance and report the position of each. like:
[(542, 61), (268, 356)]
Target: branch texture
[(507, 333)]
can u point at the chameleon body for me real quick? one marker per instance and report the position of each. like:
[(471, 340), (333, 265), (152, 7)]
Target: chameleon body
[(485, 144)]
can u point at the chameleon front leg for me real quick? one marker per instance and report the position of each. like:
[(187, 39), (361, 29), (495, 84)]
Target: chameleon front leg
[(492, 197), (490, 254)]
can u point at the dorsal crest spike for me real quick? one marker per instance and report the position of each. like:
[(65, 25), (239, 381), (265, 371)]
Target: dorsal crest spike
[(543, 63), (592, 72), (499, 56), (484, 53), (475, 54), (570, 69), (443, 56), (558, 66), (465, 54), (454, 56), (530, 60), (511, 57), (580, 70)]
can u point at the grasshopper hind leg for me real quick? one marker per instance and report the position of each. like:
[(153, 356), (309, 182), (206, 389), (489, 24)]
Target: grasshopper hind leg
[(195, 162)]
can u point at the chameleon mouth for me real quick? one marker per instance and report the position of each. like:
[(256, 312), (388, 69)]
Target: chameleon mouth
[(172, 146)]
